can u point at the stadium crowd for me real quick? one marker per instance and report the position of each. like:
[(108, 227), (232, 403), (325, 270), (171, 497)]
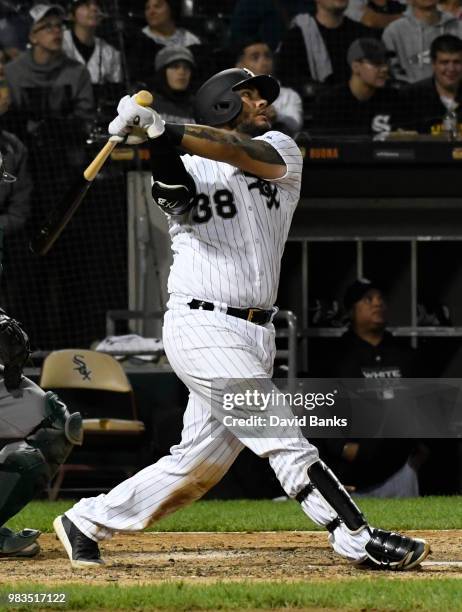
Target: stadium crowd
[(60, 59)]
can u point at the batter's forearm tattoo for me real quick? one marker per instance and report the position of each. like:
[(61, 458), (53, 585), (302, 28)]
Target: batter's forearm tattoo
[(255, 149)]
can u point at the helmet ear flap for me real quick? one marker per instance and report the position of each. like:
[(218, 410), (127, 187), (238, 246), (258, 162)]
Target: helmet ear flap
[(227, 108)]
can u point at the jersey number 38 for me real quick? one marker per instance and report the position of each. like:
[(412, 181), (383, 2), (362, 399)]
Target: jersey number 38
[(223, 205)]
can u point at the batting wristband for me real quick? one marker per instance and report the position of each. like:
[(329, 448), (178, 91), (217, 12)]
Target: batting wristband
[(175, 133)]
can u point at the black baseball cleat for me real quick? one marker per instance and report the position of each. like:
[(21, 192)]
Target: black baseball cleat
[(388, 550), (82, 551), (19, 544)]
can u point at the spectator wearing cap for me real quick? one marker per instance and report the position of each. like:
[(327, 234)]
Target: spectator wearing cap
[(43, 81), (286, 112), (364, 105), (173, 98), (371, 350), (80, 43), (428, 101), (410, 38), (162, 30), (315, 48), (376, 467)]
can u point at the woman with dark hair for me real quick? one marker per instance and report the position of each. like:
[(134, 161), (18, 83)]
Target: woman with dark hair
[(161, 30), (171, 86)]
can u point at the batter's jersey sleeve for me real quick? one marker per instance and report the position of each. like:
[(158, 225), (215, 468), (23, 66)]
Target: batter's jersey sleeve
[(287, 148)]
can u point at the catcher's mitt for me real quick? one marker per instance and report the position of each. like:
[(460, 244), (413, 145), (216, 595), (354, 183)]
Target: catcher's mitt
[(14, 350)]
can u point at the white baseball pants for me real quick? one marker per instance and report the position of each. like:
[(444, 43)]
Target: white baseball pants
[(201, 346)]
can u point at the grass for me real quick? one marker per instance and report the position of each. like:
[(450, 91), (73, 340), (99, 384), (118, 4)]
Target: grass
[(266, 515), (356, 594), (360, 594)]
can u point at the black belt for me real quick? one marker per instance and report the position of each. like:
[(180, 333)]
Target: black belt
[(255, 315)]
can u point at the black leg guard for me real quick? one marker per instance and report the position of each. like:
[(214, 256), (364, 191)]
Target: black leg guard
[(328, 485), (385, 549), (23, 473)]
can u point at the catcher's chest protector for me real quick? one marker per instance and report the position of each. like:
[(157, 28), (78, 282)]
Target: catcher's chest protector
[(37, 434)]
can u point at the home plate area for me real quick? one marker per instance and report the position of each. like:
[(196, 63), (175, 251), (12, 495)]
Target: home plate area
[(151, 557)]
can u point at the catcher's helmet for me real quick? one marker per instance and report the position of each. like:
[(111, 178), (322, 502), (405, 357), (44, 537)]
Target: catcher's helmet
[(217, 102)]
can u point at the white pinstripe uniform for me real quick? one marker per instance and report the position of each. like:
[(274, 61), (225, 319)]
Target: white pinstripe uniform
[(227, 250)]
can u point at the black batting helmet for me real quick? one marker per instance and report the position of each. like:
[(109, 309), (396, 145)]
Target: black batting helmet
[(217, 102)]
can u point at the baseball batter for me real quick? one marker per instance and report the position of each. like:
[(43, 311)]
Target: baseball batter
[(229, 203)]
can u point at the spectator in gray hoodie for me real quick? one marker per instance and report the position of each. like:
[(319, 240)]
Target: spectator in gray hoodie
[(411, 36), (43, 81)]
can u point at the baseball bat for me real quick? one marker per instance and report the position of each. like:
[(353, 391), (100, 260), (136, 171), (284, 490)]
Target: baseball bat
[(63, 212)]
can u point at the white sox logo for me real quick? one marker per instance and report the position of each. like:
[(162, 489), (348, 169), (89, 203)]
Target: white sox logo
[(268, 191), (381, 123), (81, 368)]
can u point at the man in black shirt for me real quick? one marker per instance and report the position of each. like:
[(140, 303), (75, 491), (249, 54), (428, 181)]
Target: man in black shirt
[(315, 48), (363, 105), (367, 349), (377, 467), (429, 101)]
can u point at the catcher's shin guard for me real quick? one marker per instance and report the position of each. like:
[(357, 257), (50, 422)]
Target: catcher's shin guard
[(333, 492), (23, 473)]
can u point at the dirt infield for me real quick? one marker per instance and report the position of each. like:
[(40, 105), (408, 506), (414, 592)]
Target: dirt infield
[(151, 557)]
